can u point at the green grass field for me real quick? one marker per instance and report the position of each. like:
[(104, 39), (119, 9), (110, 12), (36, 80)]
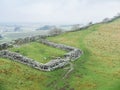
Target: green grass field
[(97, 69), (38, 51)]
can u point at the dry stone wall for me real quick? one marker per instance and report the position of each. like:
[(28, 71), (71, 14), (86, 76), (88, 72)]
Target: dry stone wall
[(73, 54), (5, 46), (21, 41), (33, 63)]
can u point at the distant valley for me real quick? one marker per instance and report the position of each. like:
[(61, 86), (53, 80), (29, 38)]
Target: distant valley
[(10, 32)]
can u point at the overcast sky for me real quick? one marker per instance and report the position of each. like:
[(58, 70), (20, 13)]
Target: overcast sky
[(57, 11)]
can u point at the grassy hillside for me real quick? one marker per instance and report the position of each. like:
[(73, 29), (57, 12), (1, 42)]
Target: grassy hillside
[(97, 69)]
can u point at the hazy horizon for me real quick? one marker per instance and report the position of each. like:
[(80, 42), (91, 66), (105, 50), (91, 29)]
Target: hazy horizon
[(57, 11)]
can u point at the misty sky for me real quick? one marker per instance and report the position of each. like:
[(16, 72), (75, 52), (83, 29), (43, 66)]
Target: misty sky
[(57, 11)]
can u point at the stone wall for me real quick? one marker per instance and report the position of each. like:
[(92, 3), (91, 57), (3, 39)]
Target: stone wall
[(73, 54), (5, 45), (33, 63), (21, 41), (106, 20)]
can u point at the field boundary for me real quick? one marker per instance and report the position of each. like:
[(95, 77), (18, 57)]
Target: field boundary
[(73, 54)]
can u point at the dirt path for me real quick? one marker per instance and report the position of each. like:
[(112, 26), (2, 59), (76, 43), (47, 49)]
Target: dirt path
[(69, 71)]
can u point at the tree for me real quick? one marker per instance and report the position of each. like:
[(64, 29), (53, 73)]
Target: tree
[(90, 23), (106, 20), (55, 31)]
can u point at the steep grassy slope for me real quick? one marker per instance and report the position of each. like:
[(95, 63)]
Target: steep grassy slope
[(38, 51), (97, 69)]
